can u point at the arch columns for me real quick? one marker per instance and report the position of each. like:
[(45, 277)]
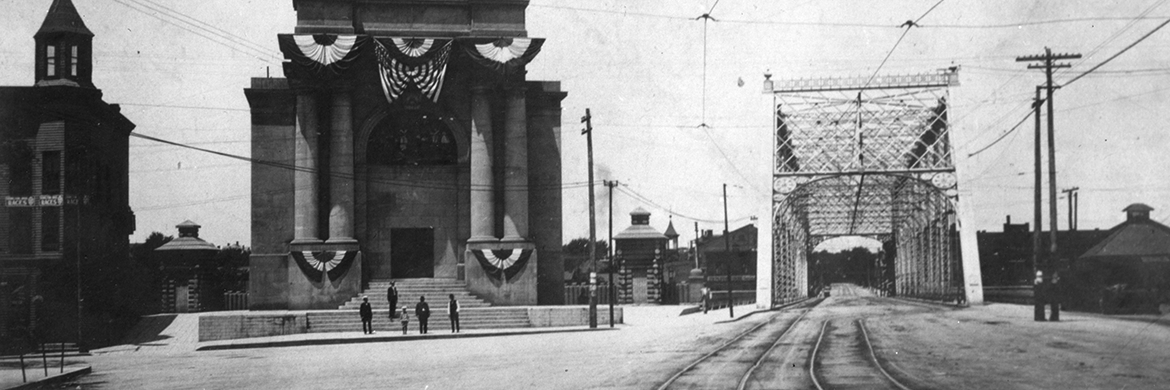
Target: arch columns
[(305, 180), (341, 170), (516, 166), (482, 189)]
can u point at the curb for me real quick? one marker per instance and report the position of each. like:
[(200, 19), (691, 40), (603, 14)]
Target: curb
[(53, 379), (777, 308), (924, 302), (382, 339)]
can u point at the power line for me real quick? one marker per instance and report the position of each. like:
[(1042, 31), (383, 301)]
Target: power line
[(1039, 22), (198, 30), (625, 189), (185, 107), (1002, 136), (353, 176), (1074, 79)]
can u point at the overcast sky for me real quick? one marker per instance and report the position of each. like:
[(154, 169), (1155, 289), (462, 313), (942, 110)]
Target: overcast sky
[(639, 67)]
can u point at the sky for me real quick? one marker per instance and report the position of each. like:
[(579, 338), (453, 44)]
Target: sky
[(639, 67)]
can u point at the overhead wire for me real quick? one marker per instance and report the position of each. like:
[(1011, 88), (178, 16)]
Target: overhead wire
[(404, 183), (203, 32)]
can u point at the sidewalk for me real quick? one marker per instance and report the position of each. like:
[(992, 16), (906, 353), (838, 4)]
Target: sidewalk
[(357, 337), (11, 378), (177, 334)]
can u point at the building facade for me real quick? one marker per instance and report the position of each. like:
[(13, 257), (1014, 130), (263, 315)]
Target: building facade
[(639, 251), (187, 271), (64, 182), (405, 142)]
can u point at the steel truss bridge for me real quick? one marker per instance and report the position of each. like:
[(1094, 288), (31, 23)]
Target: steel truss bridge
[(870, 158)]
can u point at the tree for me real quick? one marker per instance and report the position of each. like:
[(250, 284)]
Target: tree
[(580, 247), (576, 254)]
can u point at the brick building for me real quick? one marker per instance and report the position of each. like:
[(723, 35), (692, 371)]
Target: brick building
[(405, 143), (63, 178)]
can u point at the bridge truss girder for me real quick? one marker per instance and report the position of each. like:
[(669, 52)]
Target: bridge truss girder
[(869, 158)]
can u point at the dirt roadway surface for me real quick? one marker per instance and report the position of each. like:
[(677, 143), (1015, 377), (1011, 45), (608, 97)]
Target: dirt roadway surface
[(639, 356), (998, 346), (925, 347)]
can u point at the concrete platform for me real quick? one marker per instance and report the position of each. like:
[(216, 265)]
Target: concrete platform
[(10, 377)]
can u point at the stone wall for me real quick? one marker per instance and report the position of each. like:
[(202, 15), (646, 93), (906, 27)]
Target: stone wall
[(226, 327)]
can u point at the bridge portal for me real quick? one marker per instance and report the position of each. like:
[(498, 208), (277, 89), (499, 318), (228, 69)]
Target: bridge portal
[(868, 157)]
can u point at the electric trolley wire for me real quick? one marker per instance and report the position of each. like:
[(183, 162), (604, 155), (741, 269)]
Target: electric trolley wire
[(1039, 22), (626, 190), (1119, 53), (413, 184), (213, 36)]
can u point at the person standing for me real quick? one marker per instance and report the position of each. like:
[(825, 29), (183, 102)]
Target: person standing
[(367, 314), (405, 319), (453, 312), (423, 311), (392, 297), (706, 293)]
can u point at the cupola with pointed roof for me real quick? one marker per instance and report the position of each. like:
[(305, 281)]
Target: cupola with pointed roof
[(64, 48)]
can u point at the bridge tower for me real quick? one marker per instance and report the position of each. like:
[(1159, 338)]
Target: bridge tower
[(869, 157)]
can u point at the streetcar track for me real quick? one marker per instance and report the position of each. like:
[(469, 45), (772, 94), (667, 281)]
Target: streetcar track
[(872, 356), (747, 375), (812, 360), (723, 347)]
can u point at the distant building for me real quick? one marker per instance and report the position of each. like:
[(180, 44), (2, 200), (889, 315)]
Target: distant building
[(63, 164), (640, 248), (1129, 270), (715, 260), (1005, 257), (186, 263)]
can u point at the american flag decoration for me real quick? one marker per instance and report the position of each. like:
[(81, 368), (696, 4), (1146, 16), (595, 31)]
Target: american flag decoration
[(502, 263), (316, 264), (319, 57), (412, 64), (507, 56)]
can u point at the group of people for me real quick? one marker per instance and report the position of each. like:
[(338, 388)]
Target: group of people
[(422, 311)]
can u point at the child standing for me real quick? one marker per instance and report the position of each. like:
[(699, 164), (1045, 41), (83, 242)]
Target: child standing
[(405, 319)]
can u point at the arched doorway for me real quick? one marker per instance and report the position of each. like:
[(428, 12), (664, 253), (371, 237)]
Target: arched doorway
[(411, 195)]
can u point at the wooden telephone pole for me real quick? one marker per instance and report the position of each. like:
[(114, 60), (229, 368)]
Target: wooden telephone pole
[(1048, 62), (588, 131)]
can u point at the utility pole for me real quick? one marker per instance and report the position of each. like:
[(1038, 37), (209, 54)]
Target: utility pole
[(1071, 193), (588, 131), (1048, 63), (612, 294), (1037, 216), (727, 253)]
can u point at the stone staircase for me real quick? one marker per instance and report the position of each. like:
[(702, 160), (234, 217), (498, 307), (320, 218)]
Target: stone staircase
[(469, 319), (436, 291), (474, 313)]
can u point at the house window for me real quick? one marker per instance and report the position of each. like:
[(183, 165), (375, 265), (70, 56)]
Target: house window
[(51, 173), (50, 229), (73, 61), (51, 60), (20, 231)]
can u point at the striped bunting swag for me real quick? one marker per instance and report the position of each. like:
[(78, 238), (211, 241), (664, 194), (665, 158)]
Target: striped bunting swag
[(412, 64)]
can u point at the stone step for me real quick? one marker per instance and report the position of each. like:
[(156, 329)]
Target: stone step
[(436, 291)]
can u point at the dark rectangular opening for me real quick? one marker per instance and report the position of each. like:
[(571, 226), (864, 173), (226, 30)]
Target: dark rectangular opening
[(50, 229), (412, 253), (51, 173)]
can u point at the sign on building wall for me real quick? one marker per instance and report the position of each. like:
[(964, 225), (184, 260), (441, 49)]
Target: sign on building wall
[(44, 200)]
